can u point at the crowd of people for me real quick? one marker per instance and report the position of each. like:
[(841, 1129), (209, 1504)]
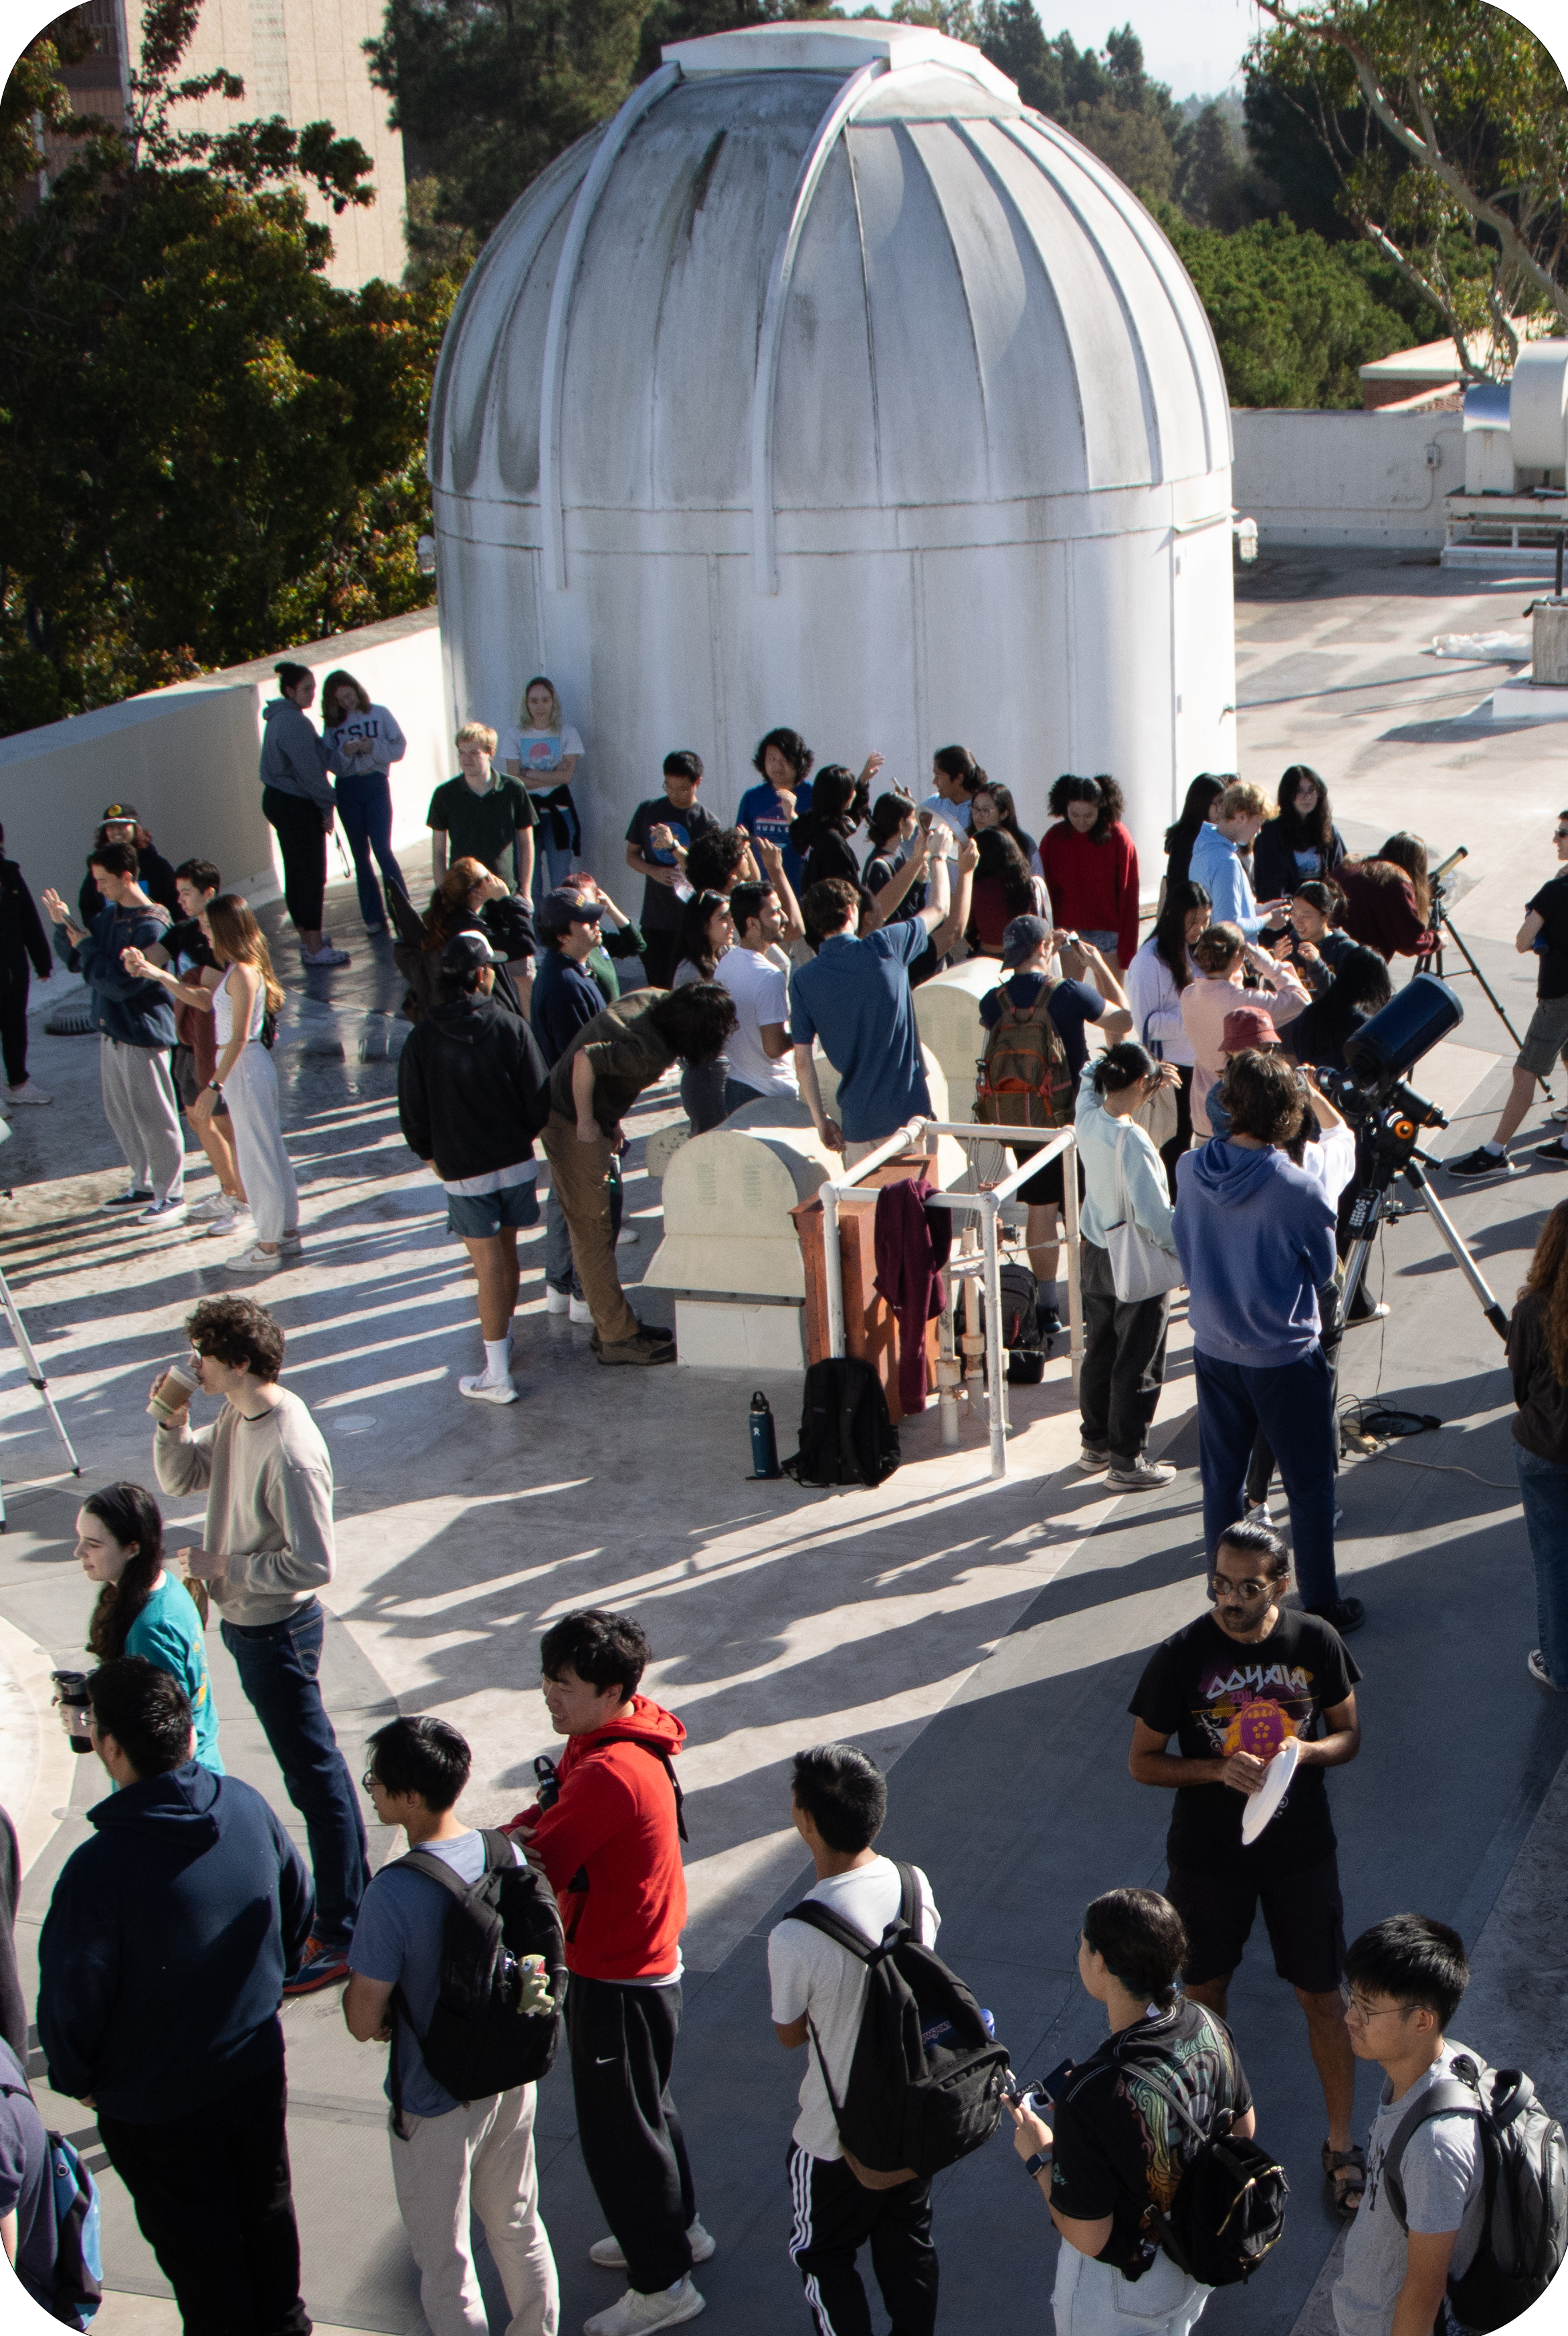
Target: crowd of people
[(1212, 1158)]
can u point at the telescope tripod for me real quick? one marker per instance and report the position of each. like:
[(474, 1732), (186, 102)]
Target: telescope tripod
[(30, 1364), (1394, 1154)]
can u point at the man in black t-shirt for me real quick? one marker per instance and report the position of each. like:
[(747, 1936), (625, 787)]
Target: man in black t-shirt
[(1118, 2147), (662, 829), (1233, 1688), (1544, 934)]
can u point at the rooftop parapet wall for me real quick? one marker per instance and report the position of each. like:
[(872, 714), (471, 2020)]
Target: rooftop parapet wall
[(1347, 478)]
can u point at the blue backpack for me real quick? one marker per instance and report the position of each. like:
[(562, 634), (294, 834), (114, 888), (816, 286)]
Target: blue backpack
[(78, 2282)]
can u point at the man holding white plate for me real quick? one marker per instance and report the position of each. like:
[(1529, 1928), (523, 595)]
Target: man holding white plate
[(1261, 1698)]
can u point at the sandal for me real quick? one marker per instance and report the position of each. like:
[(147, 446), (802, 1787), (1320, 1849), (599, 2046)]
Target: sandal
[(1347, 2172)]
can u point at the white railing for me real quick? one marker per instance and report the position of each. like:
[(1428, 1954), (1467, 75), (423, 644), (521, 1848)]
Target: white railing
[(993, 1206)]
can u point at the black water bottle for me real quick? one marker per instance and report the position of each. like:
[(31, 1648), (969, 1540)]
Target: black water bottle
[(764, 1442)]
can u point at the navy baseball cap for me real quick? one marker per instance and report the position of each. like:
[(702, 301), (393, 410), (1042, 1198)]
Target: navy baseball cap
[(561, 909), (1022, 938)]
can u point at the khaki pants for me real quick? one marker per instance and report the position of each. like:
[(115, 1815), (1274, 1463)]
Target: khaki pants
[(579, 1173), (476, 2160)]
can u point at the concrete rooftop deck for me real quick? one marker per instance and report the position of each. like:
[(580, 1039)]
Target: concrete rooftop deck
[(981, 1639)]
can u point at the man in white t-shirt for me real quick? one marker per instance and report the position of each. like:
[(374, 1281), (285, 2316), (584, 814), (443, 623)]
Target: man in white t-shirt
[(839, 1799), (756, 972), (1405, 1978)]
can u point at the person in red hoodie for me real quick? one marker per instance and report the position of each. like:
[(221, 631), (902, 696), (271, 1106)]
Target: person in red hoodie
[(607, 1829)]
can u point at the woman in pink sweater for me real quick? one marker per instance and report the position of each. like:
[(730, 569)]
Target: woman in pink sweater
[(1091, 867), (1221, 955)]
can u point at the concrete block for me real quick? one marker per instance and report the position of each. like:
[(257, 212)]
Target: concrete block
[(714, 1336)]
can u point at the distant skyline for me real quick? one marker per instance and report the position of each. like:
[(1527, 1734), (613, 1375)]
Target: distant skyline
[(1195, 45)]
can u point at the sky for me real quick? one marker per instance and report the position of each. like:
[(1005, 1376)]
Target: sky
[(1195, 45)]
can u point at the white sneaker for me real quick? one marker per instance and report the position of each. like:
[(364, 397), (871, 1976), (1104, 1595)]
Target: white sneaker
[(556, 1301), (289, 1241), (26, 1093), (216, 1209), (636, 2311), (1090, 1461), (627, 1237), (578, 1309), (607, 2254), (254, 1259), (1142, 1476), (237, 1221), (325, 955), (482, 1388), (1259, 1514), (173, 1211)]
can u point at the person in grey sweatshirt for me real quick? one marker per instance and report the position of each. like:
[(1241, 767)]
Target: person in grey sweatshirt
[(268, 1477), (296, 800)]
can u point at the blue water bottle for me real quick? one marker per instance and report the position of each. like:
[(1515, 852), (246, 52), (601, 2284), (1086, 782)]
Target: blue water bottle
[(764, 1442)]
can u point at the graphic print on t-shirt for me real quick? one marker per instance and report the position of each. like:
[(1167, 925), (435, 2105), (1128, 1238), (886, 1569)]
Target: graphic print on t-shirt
[(1254, 1707)]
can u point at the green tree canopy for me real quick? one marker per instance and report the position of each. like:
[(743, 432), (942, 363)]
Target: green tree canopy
[(207, 451)]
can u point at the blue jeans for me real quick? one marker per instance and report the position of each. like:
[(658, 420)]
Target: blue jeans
[(1543, 1489), (552, 861), (737, 1094), (365, 807), (1294, 1406), (559, 1270), (278, 1665)]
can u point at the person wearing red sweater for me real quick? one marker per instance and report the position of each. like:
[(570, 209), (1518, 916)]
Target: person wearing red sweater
[(607, 1828), (1091, 868)]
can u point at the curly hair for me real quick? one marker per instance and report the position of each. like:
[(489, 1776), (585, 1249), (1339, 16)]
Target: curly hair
[(694, 1021), (714, 861), (1101, 790), (1548, 1278), (1265, 1096), (238, 1333), (792, 747)]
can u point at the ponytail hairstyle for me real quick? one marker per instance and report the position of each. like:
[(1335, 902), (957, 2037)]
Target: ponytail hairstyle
[(1321, 892), (130, 1514), (1102, 791), (957, 762), (1140, 1937), (239, 940), (448, 910), (1121, 1066), (290, 677), (887, 816)]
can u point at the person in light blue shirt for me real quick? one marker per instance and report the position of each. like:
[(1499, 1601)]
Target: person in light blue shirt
[(1217, 864), (140, 1610), (856, 996), (1124, 1365)]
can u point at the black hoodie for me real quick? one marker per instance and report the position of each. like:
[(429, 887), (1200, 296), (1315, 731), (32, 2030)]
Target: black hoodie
[(473, 1089), (164, 1955)]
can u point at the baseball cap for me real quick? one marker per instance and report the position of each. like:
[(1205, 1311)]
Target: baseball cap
[(1022, 938), (561, 909), (466, 952), (1247, 1027), (120, 810)]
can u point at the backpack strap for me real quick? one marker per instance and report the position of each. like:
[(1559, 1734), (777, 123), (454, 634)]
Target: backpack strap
[(619, 1736), (1450, 2096), (498, 1852), (817, 1917)]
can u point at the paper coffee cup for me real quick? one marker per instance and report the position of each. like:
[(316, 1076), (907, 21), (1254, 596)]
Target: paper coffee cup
[(174, 1390)]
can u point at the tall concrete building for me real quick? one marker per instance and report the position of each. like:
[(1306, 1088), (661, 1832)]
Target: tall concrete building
[(303, 59)]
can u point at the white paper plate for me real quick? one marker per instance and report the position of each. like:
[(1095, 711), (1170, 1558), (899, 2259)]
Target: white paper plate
[(1263, 1804)]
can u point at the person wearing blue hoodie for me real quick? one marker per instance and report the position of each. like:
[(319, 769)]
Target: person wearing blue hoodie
[(160, 1970), (1233, 826), (1255, 1235)]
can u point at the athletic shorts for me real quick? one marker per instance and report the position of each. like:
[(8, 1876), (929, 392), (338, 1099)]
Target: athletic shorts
[(187, 1084), (1304, 1913), (1546, 1039), (1044, 1186), (480, 1216)]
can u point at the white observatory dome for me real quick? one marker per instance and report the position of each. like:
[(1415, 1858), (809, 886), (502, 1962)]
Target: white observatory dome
[(828, 385)]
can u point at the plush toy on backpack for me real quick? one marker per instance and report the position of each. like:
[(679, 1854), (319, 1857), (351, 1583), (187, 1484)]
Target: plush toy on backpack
[(1024, 1078)]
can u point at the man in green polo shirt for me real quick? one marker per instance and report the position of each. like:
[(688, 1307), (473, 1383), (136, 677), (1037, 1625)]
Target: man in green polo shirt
[(478, 816)]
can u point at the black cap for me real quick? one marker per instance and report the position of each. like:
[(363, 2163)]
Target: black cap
[(466, 952), (120, 810)]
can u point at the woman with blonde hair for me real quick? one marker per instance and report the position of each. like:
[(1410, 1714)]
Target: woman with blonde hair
[(245, 1077), (363, 741), (1538, 1360), (543, 752)]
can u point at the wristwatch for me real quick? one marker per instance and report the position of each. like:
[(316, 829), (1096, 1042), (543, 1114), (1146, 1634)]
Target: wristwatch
[(1032, 2165), (216, 1085)]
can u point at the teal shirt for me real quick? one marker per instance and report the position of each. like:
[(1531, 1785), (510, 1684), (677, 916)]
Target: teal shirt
[(167, 1632)]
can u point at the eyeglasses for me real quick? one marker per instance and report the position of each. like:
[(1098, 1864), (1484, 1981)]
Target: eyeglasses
[(1220, 1583), (370, 1780), (1364, 2011)]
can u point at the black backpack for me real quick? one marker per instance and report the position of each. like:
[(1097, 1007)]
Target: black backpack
[(1229, 2209), (1524, 2233), (846, 1436), (911, 2106), (476, 2043)]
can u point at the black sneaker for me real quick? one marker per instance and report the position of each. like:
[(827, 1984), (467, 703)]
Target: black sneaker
[(1346, 1614), (1482, 1162), (1047, 1324), (136, 1197), (1556, 1151)]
